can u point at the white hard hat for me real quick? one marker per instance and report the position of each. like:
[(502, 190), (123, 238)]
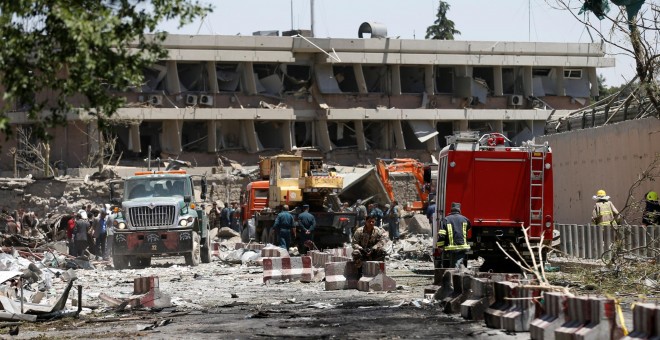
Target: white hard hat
[(83, 214)]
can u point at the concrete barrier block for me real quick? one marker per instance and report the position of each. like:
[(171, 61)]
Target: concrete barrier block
[(238, 245), (340, 275), (646, 322), (319, 259), (151, 295), (523, 310), (273, 251), (553, 316), (374, 277), (481, 296), (461, 284), (288, 268), (438, 274), (446, 285), (493, 314), (341, 259), (590, 318)]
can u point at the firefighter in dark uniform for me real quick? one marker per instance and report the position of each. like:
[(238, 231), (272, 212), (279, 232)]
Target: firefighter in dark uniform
[(283, 227), (306, 225), (452, 237)]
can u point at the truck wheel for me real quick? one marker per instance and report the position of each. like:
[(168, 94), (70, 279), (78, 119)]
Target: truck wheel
[(194, 257), (143, 262), (206, 250), (120, 261)]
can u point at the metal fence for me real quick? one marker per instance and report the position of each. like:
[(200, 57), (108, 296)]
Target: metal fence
[(591, 241)]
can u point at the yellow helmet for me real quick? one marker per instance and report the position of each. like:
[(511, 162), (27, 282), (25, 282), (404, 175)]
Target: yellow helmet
[(652, 196), (601, 193)]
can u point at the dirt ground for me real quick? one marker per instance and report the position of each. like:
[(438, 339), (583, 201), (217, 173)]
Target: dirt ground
[(218, 300)]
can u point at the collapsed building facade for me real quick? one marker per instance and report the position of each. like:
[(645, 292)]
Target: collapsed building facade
[(377, 96)]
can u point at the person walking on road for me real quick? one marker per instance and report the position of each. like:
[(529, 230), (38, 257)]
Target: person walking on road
[(452, 237), (283, 227), (392, 219), (306, 225), (80, 233), (604, 213)]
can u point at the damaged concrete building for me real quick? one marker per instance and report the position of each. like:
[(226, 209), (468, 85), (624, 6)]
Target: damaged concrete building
[(352, 99)]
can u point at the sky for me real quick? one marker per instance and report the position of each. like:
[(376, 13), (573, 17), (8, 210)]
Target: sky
[(477, 20)]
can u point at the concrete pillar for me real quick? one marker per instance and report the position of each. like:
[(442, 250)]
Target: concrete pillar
[(559, 81), (528, 88), (461, 125), (250, 139), (359, 135), (170, 139), (398, 134), (359, 78), (212, 136), (498, 86), (287, 135), (323, 136), (429, 79), (498, 126), (432, 144), (172, 78), (134, 137), (395, 80), (213, 78), (248, 80), (593, 79)]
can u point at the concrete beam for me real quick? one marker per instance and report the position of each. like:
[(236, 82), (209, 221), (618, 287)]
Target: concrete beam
[(323, 135), (395, 80), (248, 80), (250, 138), (359, 135), (398, 134), (172, 77), (212, 76), (498, 87), (134, 138), (429, 79), (170, 139), (359, 78), (287, 135), (212, 136)]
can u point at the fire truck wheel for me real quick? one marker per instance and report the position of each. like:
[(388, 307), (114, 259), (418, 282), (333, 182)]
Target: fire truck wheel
[(206, 250), (120, 261), (194, 257)]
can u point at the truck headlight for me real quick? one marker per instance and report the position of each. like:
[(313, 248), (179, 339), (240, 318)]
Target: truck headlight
[(186, 221), (183, 223), (121, 225)]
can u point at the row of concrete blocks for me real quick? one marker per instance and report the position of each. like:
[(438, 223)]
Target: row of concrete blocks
[(215, 247), (345, 275), (278, 265)]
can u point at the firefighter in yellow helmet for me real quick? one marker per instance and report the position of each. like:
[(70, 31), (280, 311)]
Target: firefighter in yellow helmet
[(651, 214), (452, 237), (604, 213)]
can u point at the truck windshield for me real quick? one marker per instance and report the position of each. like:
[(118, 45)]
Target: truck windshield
[(155, 187), (289, 169)]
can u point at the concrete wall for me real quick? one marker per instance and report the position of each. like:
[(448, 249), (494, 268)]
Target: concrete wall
[(611, 158)]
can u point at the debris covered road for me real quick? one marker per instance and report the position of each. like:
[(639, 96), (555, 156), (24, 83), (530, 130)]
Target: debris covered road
[(231, 301)]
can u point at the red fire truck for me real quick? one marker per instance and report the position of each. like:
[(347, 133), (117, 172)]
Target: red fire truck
[(501, 188)]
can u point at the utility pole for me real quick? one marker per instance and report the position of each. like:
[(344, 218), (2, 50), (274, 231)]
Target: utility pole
[(312, 17)]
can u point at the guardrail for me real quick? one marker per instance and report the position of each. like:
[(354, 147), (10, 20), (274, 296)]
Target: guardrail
[(591, 241)]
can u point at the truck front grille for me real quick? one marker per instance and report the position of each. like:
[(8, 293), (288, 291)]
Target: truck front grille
[(158, 216)]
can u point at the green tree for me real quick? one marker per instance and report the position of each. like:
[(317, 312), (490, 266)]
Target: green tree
[(79, 49), (442, 28)]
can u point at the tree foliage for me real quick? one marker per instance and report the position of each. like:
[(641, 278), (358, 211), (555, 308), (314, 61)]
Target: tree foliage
[(635, 30), (79, 49), (442, 28)]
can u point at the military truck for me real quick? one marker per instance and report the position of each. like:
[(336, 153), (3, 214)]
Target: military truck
[(155, 214)]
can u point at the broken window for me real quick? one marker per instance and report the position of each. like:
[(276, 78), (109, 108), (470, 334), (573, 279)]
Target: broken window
[(150, 137), (229, 135), (268, 78), (303, 134), (153, 78), (194, 136), (510, 83), (228, 76), (485, 75), (193, 77), (376, 78), (345, 77), (270, 133), (414, 132), (573, 73), (543, 81), (444, 80), (412, 79), (444, 129), (342, 134), (378, 135), (296, 77)]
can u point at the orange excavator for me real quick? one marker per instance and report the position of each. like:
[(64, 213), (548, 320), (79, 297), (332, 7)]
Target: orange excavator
[(410, 178)]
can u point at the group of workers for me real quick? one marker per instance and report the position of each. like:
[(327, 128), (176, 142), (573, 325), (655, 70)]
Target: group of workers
[(606, 214), (227, 216)]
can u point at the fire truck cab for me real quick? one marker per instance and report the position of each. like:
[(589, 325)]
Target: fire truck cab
[(501, 189)]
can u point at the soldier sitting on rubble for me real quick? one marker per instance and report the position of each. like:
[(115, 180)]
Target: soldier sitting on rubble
[(369, 243)]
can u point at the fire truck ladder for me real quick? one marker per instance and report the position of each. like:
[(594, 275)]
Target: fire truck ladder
[(537, 154)]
